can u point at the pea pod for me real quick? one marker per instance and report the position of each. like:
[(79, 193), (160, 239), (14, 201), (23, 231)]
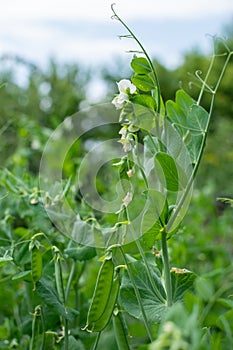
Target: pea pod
[(120, 331), (34, 343), (101, 293), (49, 341), (103, 321), (58, 275), (36, 261)]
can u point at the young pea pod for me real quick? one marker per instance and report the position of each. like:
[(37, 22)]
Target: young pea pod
[(120, 331), (102, 293), (58, 275), (34, 343), (36, 261), (103, 321)]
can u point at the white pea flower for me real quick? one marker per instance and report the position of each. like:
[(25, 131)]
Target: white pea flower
[(128, 198), (120, 99), (123, 131), (125, 86)]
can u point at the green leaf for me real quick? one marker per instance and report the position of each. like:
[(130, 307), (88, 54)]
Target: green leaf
[(49, 296), (144, 100), (154, 307), (225, 322), (140, 65), (5, 260), (204, 288), (182, 281), (143, 82), (24, 275), (83, 232), (139, 116), (191, 121), (74, 344), (167, 170), (81, 253), (177, 111), (197, 120), (154, 216)]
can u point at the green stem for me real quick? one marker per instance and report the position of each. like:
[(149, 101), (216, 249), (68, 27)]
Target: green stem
[(43, 329), (96, 341), (156, 290), (145, 53), (167, 273), (71, 275), (66, 334), (190, 182), (148, 270), (137, 295)]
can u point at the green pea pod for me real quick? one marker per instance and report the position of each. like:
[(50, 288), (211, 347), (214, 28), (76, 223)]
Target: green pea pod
[(49, 341), (58, 275), (120, 331), (103, 321), (36, 264), (34, 343), (101, 293)]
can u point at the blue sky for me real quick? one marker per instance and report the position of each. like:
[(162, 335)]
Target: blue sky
[(82, 31)]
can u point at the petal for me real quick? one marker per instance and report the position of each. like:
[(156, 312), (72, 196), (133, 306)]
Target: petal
[(125, 86), (119, 100)]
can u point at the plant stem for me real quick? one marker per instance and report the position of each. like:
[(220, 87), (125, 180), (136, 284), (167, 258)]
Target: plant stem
[(137, 295), (167, 273), (66, 333), (71, 275), (132, 35), (190, 182), (156, 290), (96, 341)]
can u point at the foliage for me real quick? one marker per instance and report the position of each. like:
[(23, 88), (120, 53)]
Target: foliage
[(116, 279)]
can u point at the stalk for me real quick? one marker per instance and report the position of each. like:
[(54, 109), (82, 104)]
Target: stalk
[(137, 295), (132, 36), (96, 341), (167, 273), (190, 182)]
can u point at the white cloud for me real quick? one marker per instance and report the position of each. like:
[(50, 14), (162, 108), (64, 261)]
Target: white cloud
[(100, 9), (83, 31)]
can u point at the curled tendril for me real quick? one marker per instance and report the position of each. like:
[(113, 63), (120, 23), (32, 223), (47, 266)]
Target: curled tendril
[(198, 74), (142, 51), (199, 82), (114, 16)]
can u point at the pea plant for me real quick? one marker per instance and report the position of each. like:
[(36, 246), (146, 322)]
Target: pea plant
[(163, 145), (111, 281)]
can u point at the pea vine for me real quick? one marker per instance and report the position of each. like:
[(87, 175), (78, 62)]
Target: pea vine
[(163, 145)]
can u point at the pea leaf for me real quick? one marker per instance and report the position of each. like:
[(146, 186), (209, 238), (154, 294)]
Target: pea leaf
[(80, 253), (144, 100), (154, 216), (24, 275), (191, 121), (182, 281), (197, 120), (74, 344), (143, 82), (5, 260), (167, 169), (140, 65), (155, 307), (49, 296), (139, 115)]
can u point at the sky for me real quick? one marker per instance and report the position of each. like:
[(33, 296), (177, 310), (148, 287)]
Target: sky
[(83, 31)]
